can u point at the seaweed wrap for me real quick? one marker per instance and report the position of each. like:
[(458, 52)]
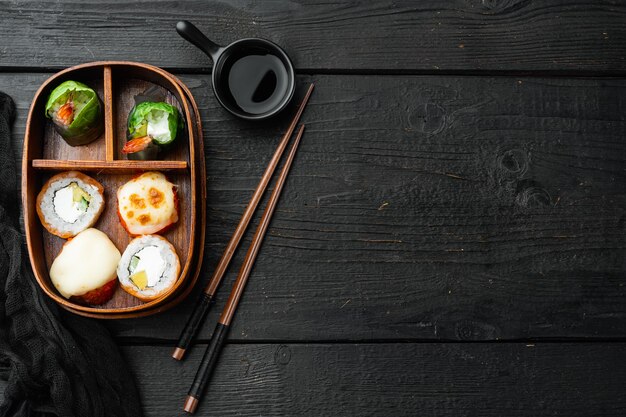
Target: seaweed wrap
[(76, 112), (152, 127)]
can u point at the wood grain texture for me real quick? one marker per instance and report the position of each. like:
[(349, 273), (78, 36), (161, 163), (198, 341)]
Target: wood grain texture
[(427, 208), (420, 208), (468, 208), (430, 36), (452, 379)]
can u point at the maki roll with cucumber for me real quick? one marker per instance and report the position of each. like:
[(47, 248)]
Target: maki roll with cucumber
[(76, 112), (149, 267), (152, 128), (69, 203)]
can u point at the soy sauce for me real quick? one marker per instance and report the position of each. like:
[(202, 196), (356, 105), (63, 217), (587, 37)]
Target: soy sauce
[(257, 81)]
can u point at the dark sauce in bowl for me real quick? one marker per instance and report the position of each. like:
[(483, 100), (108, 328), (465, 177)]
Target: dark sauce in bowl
[(255, 81)]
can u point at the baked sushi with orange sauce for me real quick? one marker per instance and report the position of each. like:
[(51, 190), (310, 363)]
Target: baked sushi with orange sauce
[(147, 204)]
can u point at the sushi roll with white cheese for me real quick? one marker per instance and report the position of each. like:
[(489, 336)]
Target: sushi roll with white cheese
[(149, 267), (84, 270), (69, 203)]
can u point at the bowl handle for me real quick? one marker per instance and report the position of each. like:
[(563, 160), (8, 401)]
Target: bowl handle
[(192, 34)]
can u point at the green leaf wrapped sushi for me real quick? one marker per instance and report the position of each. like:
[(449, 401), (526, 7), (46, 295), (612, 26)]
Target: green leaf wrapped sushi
[(76, 112), (152, 127)]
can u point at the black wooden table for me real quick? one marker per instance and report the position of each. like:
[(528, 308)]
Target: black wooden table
[(451, 241)]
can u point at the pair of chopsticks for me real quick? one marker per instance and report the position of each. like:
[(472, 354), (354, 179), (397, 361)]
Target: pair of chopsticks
[(195, 320)]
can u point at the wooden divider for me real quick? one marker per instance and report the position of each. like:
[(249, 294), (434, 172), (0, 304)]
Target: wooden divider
[(108, 166), (109, 116)]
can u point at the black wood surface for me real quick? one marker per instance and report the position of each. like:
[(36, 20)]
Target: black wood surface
[(433, 36), (423, 207), (451, 240), (487, 380)]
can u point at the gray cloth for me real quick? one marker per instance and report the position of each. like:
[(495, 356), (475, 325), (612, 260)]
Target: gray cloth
[(56, 363)]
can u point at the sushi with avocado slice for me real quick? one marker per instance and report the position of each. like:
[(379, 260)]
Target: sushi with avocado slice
[(76, 112), (152, 128), (69, 203), (149, 267)]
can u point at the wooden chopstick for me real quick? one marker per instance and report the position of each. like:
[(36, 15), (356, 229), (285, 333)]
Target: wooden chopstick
[(219, 334), (204, 302)]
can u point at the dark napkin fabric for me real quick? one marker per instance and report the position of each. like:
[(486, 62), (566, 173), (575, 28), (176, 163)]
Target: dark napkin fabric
[(56, 363)]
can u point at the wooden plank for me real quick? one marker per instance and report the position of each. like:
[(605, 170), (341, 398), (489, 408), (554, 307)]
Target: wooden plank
[(430, 36), (492, 379), (419, 207), (465, 208)]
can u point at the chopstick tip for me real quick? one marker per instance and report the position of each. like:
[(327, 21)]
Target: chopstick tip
[(178, 353), (191, 403)]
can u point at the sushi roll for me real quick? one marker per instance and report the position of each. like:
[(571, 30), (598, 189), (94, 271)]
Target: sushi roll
[(85, 271), (149, 267), (152, 127), (147, 204), (69, 203), (76, 112)]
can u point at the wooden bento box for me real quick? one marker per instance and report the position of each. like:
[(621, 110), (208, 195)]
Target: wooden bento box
[(46, 154)]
